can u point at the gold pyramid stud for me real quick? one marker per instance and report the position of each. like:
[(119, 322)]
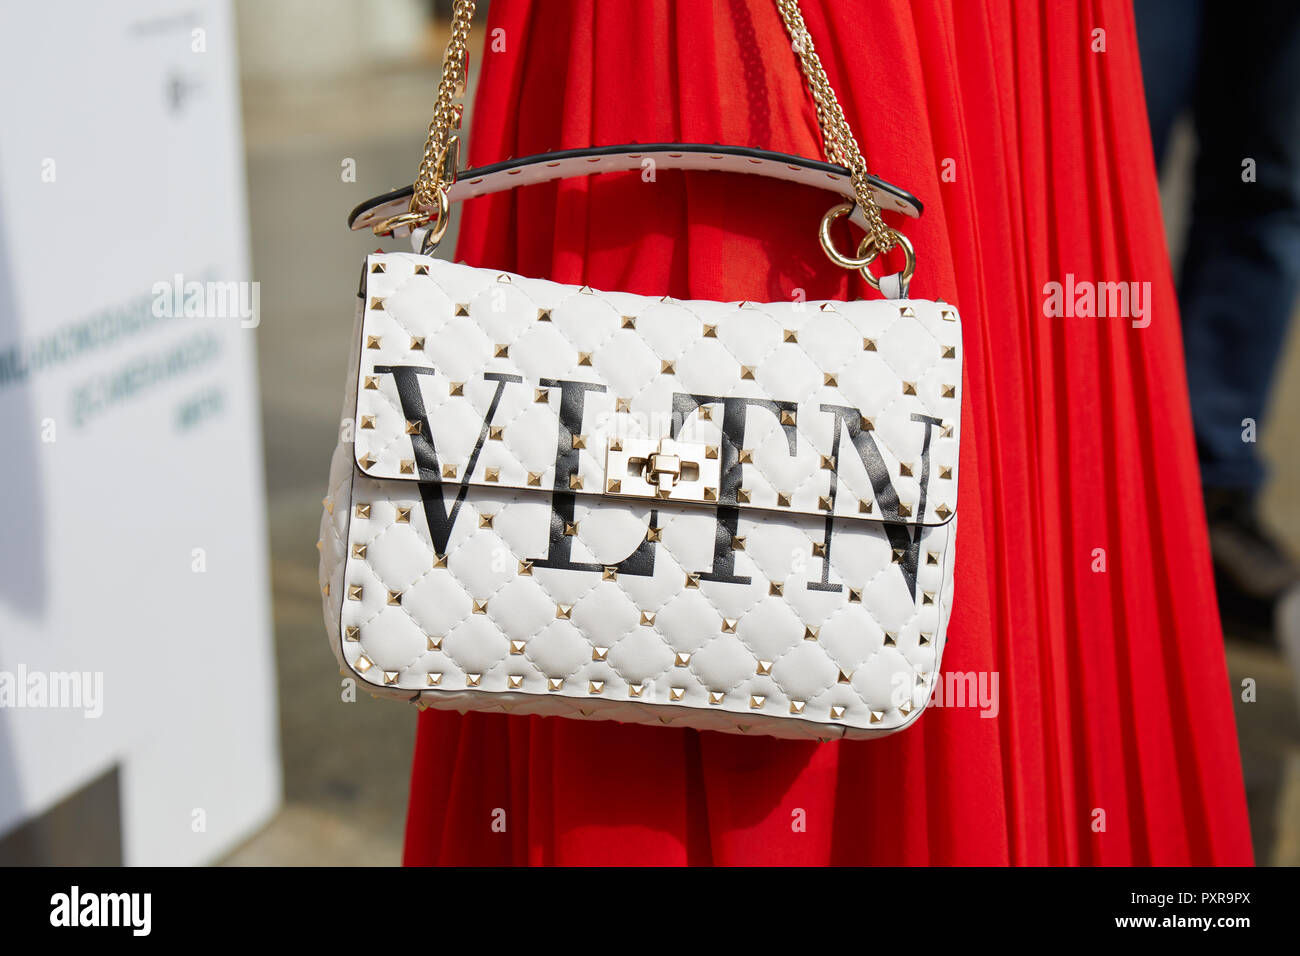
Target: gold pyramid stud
[(747, 372), (943, 511), (855, 595), (584, 358), (516, 681), (905, 311), (787, 417), (653, 534), (827, 463), (775, 589), (796, 706), (439, 560), (517, 647), (648, 618), (706, 413), (500, 351), (564, 612), (824, 502), (526, 568), (742, 496), (737, 542), (403, 515), (377, 267), (845, 677), (449, 471), (819, 550), (355, 592), (932, 557), (710, 331), (377, 304), (363, 664), (868, 345), (682, 659), (745, 456), (406, 466), (789, 335), (614, 486), (676, 693), (491, 474), (485, 520), (729, 625), (627, 322), (579, 441), (472, 680), (497, 432), (363, 511), (535, 479), (615, 444), (599, 653), (434, 643), (609, 574), (480, 607), (543, 315), (352, 633), (571, 528), (830, 379), (371, 382), (456, 388), (909, 388), (575, 482), (635, 690), (693, 579), (810, 633), (783, 499), (764, 669), (716, 696), (904, 510), (904, 470), (541, 396), (949, 352), (891, 639), (945, 472), (837, 711), (414, 428), (367, 421), (864, 507), (595, 687), (373, 342), (927, 598), (925, 639), (366, 461), (462, 308), (666, 368), (417, 343), (554, 683), (622, 404), (949, 391), (358, 551), (421, 270)]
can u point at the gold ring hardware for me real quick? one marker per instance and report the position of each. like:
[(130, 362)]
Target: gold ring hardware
[(415, 218), (909, 264), (828, 244)]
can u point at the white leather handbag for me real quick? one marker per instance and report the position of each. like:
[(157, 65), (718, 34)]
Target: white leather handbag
[(555, 500)]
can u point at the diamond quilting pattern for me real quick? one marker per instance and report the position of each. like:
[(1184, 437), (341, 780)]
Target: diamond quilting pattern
[(791, 609)]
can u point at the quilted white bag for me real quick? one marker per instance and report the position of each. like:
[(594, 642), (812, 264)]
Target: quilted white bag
[(557, 500)]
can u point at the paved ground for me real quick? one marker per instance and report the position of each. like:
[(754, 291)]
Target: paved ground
[(346, 764)]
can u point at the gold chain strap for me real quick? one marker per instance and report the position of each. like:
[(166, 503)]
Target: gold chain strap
[(837, 136), (429, 203)]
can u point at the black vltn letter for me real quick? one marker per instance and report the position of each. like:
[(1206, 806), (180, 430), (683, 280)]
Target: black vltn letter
[(559, 554), (733, 439), (440, 519), (901, 537)]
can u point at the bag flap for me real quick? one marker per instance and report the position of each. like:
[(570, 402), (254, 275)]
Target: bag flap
[(472, 377)]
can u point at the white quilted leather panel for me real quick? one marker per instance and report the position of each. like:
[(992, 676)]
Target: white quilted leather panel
[(890, 359), (539, 600)]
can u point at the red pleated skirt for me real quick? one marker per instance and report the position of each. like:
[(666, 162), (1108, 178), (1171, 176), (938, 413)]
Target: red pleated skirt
[(1083, 575)]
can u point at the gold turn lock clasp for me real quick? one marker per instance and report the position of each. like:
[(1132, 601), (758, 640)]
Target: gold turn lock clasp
[(662, 468)]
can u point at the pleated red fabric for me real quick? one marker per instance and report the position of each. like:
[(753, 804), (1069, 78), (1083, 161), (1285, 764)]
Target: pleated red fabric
[(1083, 578)]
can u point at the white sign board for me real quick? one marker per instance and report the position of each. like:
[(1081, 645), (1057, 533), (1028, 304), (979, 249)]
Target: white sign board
[(134, 605)]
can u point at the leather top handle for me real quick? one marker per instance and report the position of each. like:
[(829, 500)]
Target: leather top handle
[(567, 163)]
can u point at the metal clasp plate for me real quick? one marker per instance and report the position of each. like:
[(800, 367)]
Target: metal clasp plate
[(662, 468)]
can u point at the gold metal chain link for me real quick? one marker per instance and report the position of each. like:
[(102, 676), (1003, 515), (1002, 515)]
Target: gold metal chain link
[(429, 203), (837, 136)]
